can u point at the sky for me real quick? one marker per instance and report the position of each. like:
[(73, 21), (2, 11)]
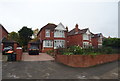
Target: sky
[(100, 16)]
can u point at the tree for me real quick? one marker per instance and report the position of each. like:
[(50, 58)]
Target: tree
[(13, 36), (112, 42), (35, 32), (25, 35)]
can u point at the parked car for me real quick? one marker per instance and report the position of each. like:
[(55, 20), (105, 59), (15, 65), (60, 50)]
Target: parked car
[(33, 50), (6, 49)]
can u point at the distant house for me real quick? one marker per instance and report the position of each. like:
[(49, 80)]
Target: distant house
[(83, 38), (52, 36), (79, 37), (97, 40), (4, 41), (3, 33)]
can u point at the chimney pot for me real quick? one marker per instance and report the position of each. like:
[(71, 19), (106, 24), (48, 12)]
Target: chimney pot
[(76, 28)]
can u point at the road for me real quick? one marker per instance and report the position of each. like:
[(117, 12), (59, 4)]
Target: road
[(54, 70)]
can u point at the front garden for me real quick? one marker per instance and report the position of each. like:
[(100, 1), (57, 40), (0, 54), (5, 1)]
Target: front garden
[(77, 50), (75, 56)]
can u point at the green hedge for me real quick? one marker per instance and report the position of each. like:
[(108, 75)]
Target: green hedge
[(76, 50)]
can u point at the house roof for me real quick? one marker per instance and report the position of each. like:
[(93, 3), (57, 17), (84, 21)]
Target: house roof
[(73, 32), (4, 28), (5, 40), (48, 26), (97, 35)]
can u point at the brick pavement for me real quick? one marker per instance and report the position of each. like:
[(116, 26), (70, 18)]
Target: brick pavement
[(40, 57)]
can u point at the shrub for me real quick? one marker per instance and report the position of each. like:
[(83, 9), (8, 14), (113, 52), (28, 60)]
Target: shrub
[(68, 53), (107, 50), (76, 50), (61, 50), (50, 52)]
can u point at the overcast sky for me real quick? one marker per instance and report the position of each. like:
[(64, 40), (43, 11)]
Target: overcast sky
[(97, 15)]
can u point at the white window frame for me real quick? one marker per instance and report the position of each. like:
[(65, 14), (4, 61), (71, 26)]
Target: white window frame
[(100, 39), (48, 43), (99, 45), (86, 44), (47, 33), (85, 36), (59, 33), (59, 43)]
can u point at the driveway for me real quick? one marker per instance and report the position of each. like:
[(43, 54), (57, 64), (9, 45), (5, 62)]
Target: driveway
[(54, 70), (40, 57)]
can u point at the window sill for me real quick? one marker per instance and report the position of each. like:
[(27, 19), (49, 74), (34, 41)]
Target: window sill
[(47, 47), (59, 37)]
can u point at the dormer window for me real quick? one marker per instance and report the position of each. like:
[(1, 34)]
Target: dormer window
[(47, 33)]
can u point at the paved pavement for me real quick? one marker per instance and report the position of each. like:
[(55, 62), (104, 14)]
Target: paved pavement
[(54, 70), (40, 57)]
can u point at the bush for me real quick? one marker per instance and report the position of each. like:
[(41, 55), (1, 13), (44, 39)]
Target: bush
[(62, 50), (50, 52), (76, 50), (68, 53), (107, 50)]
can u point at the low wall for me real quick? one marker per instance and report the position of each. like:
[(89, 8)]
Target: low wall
[(86, 60), (46, 49)]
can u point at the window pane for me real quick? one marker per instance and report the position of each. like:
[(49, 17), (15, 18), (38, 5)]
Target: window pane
[(47, 43), (47, 33)]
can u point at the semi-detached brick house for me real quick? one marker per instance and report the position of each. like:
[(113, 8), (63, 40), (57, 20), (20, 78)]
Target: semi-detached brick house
[(52, 36), (83, 38), (97, 40), (3, 34), (4, 42)]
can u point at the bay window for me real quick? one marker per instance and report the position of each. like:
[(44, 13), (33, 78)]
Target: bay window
[(47, 43), (59, 43)]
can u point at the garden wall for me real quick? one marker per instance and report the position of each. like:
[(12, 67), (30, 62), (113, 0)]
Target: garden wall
[(86, 60)]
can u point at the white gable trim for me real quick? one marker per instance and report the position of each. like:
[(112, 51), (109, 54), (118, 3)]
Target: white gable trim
[(88, 32), (60, 26)]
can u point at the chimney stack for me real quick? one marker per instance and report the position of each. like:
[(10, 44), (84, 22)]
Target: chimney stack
[(76, 28), (67, 28)]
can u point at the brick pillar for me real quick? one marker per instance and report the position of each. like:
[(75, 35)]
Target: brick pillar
[(19, 54), (29, 45), (40, 48), (2, 46), (15, 46)]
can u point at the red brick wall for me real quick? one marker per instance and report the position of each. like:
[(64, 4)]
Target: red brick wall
[(3, 34), (74, 40), (95, 42), (44, 50), (86, 60), (15, 46)]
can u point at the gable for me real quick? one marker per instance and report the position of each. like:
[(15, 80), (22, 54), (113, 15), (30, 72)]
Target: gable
[(88, 32), (60, 27)]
